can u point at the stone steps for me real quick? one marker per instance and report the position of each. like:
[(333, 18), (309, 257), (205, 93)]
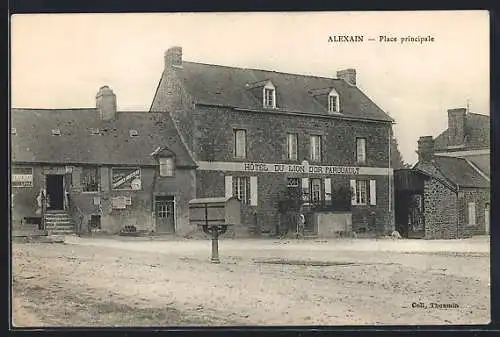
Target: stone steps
[(59, 223)]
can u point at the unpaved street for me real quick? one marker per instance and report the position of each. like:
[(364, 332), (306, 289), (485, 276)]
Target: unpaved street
[(132, 282)]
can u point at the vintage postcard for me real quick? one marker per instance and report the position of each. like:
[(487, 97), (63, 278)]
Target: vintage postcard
[(236, 169)]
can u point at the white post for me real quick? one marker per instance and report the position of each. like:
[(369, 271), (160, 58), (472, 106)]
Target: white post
[(389, 171)]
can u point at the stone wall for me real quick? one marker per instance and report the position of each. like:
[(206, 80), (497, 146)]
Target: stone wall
[(440, 211), (480, 196), (266, 137)]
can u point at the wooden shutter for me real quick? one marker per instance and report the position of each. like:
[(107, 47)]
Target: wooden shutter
[(353, 192), (253, 191), (328, 189), (229, 186), (373, 192)]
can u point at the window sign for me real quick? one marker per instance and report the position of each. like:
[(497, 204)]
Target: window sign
[(22, 177)]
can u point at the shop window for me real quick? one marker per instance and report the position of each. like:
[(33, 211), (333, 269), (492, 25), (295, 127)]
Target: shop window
[(126, 178), (167, 167), (89, 179), (22, 177)]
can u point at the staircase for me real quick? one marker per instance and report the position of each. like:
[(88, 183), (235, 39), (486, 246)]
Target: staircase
[(310, 234), (59, 223)]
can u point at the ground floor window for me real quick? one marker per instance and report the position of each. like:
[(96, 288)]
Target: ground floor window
[(241, 189), (22, 177), (95, 221), (315, 188), (363, 192), (90, 179), (471, 206)]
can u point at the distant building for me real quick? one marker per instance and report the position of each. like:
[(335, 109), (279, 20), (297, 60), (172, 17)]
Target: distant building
[(468, 137), (104, 168), (266, 136), (447, 193)]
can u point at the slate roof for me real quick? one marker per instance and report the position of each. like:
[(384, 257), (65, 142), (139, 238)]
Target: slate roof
[(455, 170), (77, 144), (230, 86), (482, 162), (477, 130)]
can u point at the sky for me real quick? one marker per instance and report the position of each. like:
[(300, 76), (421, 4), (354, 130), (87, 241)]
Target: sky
[(61, 60)]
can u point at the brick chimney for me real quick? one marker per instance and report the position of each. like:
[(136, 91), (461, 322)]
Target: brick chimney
[(348, 75), (425, 149), (456, 126), (173, 57), (106, 103)]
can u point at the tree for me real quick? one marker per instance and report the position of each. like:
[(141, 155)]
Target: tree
[(397, 161)]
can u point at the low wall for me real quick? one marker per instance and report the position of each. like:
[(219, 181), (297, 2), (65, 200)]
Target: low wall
[(332, 224)]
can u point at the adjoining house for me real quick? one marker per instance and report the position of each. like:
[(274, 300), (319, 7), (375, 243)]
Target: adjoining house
[(468, 137), (279, 141), (446, 194), (104, 168)]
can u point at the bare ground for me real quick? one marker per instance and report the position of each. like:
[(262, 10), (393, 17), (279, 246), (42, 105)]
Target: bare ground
[(107, 282)]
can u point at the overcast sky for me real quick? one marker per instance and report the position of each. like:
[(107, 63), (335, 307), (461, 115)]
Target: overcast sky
[(60, 61)]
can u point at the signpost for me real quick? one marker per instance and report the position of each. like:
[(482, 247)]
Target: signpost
[(214, 216)]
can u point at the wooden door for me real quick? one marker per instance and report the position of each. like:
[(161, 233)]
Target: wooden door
[(164, 213)]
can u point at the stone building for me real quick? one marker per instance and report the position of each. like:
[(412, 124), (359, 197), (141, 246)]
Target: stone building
[(446, 194), (274, 139), (100, 168), (468, 137)]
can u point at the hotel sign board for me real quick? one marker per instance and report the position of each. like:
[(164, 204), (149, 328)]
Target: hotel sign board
[(300, 168), (303, 168)]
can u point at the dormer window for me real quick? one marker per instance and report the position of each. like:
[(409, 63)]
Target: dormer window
[(56, 132), (133, 133), (167, 167), (13, 131), (333, 102), (269, 96)]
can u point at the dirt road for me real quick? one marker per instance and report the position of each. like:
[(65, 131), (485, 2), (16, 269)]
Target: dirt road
[(93, 282)]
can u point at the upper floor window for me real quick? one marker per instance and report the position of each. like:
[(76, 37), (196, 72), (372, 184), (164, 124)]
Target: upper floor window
[(269, 96), (89, 179), (315, 148), (333, 102), (240, 143), (292, 145), (361, 150), (167, 167)]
